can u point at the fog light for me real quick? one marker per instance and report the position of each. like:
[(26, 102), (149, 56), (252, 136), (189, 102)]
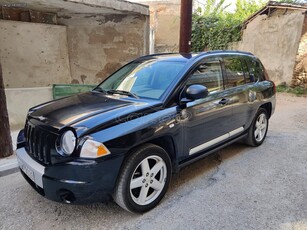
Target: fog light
[(66, 196)]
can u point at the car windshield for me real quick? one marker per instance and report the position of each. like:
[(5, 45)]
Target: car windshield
[(148, 79)]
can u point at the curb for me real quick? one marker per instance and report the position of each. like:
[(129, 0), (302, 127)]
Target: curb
[(8, 166)]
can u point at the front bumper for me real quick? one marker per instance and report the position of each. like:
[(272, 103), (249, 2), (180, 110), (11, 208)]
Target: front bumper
[(78, 181)]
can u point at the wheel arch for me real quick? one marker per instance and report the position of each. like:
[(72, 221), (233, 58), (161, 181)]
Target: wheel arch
[(268, 107), (166, 142)]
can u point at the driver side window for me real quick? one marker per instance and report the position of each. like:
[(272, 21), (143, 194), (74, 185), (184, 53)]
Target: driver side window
[(208, 74)]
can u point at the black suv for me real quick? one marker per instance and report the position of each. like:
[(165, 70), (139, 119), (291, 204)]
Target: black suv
[(152, 117)]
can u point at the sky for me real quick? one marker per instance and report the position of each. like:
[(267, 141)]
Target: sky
[(231, 8)]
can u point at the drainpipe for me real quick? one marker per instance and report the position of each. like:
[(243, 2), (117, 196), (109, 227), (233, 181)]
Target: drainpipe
[(185, 26)]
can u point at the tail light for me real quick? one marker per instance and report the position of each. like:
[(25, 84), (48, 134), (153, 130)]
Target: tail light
[(274, 86)]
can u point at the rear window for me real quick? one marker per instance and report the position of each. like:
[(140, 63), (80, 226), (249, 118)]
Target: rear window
[(247, 75), (256, 71)]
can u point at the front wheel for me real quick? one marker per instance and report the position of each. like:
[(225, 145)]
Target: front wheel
[(258, 129), (144, 179)]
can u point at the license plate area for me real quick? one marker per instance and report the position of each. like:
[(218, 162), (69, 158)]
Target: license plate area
[(27, 171), (32, 170)]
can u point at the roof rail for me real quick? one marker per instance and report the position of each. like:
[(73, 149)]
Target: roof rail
[(225, 51)]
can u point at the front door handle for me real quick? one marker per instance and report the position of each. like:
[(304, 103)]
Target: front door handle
[(224, 101)]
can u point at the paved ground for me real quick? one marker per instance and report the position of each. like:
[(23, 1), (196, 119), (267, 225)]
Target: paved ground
[(238, 188)]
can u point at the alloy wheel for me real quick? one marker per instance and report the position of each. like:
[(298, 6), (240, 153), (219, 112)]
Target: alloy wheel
[(148, 180), (260, 127)]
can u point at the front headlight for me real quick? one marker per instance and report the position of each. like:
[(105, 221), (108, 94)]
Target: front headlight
[(68, 143), (93, 149)]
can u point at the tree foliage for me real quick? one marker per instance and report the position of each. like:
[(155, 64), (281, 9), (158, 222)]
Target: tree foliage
[(214, 28), (213, 7)]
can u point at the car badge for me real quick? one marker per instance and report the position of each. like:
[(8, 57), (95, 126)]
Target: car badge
[(41, 118)]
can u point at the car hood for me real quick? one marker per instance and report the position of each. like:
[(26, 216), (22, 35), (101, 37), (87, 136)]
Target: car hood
[(88, 110)]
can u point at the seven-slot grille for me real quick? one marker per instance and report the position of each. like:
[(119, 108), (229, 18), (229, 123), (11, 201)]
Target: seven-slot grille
[(38, 143)]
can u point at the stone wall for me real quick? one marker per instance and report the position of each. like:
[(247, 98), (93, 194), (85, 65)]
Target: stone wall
[(33, 54), (98, 45), (84, 49), (164, 24), (19, 100), (300, 70), (275, 40)]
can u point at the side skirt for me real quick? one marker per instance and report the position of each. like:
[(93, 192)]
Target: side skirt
[(206, 153)]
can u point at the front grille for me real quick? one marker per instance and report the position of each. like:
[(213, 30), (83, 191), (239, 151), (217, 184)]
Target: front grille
[(38, 143)]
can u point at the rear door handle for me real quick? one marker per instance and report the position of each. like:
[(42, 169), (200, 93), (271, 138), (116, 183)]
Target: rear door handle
[(224, 101)]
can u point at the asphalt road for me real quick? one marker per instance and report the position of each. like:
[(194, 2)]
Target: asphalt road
[(239, 187)]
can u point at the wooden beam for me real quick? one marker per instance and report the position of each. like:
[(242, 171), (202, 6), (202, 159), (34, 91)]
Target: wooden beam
[(185, 26)]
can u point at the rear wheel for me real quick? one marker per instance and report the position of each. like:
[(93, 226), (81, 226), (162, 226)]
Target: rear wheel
[(144, 179), (258, 129)]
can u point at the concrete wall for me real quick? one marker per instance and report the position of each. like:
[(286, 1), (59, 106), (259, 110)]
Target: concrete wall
[(98, 45), (275, 41), (33, 54), (19, 100), (164, 24), (85, 49)]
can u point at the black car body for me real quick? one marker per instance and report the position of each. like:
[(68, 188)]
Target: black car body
[(166, 110)]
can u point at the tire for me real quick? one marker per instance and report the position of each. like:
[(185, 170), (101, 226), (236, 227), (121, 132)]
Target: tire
[(144, 179), (258, 129)]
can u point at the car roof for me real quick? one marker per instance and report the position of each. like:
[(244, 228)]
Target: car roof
[(181, 57)]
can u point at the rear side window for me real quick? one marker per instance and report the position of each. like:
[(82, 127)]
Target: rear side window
[(255, 69), (234, 71), (208, 74), (247, 75)]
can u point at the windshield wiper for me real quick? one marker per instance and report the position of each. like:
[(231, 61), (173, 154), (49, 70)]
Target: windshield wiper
[(98, 89), (122, 92)]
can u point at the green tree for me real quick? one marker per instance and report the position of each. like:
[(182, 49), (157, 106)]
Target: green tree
[(245, 8), (213, 7), (215, 29)]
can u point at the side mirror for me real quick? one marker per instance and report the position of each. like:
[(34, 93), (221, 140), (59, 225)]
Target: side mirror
[(194, 92)]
